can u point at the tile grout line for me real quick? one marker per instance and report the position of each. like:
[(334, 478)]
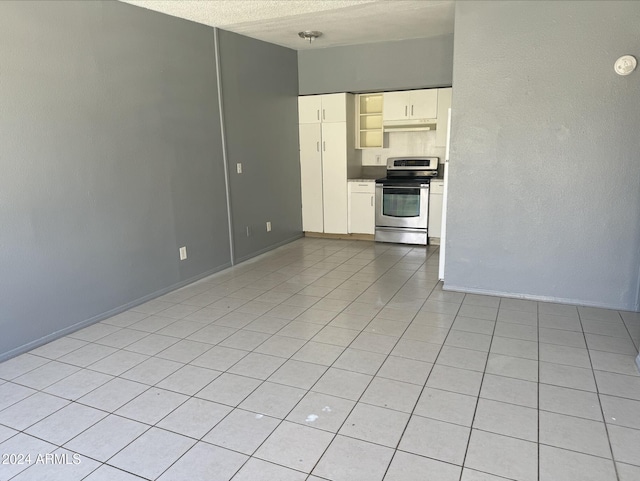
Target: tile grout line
[(538, 386), (604, 419), (335, 435), (475, 411), (237, 407)]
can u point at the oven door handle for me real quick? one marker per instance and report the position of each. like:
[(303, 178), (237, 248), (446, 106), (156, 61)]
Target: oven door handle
[(402, 186)]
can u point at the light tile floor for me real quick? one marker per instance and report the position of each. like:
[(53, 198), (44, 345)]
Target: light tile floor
[(330, 360)]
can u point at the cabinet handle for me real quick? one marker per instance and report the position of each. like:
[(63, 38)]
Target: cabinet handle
[(323, 117), (318, 114), (371, 201), (412, 111), (324, 146), (318, 146), (405, 110)]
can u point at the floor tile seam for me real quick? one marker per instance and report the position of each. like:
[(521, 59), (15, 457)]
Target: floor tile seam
[(24, 430), (608, 336), (147, 388), (412, 413), (88, 367), (618, 397), (184, 401), (13, 380), (147, 334), (62, 446), (595, 381), (515, 355), (538, 469), (105, 321), (291, 410), (574, 416), (475, 410), (514, 323), (577, 452), (358, 400), (632, 376), (591, 392), (62, 355), (636, 341), (194, 445), (96, 323), (617, 372), (69, 402)]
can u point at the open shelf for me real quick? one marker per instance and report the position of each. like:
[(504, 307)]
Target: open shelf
[(369, 120)]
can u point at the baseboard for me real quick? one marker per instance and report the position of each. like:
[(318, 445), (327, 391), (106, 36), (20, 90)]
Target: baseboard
[(105, 315), (515, 295), (322, 235), (269, 248)]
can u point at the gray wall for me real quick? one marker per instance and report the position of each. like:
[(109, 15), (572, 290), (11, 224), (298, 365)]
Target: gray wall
[(111, 159), (545, 172), (405, 64), (260, 104)]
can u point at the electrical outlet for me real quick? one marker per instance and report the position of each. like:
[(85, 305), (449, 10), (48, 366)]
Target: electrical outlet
[(183, 253), (378, 158), (248, 231), (239, 168), (269, 226)]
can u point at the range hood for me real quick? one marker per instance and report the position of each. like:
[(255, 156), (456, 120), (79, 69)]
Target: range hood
[(409, 125)]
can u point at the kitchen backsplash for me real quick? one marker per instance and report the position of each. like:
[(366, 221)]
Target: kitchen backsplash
[(397, 144)]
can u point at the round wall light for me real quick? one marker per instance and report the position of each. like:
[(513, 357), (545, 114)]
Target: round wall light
[(625, 65)]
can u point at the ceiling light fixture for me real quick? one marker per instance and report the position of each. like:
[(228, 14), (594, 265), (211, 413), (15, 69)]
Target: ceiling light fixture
[(310, 35)]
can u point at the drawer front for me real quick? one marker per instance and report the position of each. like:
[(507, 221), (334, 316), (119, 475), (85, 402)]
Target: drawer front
[(364, 187), (437, 187)]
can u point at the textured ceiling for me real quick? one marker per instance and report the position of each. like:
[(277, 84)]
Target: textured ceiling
[(343, 22)]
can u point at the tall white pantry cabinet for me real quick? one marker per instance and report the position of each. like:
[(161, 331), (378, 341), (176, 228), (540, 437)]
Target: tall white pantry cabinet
[(327, 159)]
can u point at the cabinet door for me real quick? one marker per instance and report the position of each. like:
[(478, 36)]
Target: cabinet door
[(311, 177), (395, 106), (444, 102), (334, 108), (423, 104), (334, 177), (435, 214), (309, 109), (362, 216)]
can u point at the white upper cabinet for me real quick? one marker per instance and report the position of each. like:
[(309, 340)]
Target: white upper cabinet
[(410, 105), (314, 109), (396, 106), (334, 108), (309, 109), (423, 104), (444, 103)]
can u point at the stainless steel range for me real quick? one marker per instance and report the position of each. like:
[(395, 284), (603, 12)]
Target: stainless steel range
[(402, 200)]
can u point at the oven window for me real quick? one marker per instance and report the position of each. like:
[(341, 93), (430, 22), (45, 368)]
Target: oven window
[(401, 202)]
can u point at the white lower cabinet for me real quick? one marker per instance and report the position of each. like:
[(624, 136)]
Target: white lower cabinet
[(362, 207), (436, 189)]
